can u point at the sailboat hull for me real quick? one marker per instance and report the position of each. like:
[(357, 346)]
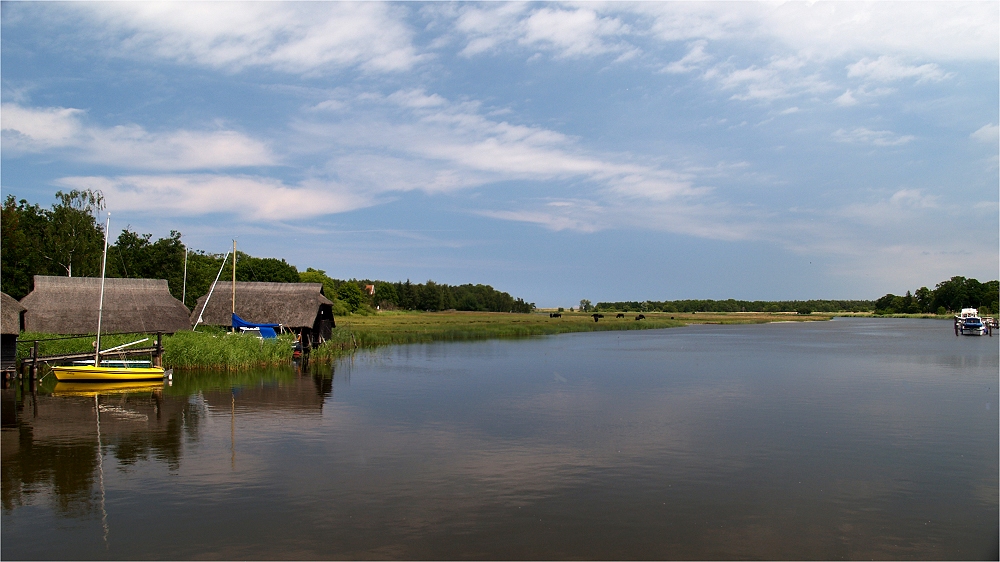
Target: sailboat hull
[(90, 373)]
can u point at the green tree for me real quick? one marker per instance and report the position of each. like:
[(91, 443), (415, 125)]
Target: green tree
[(585, 305), (351, 295), (22, 231), (273, 270), (73, 238), (385, 294), (136, 256)]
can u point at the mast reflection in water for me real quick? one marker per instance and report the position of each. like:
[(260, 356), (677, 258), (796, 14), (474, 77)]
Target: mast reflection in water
[(858, 438)]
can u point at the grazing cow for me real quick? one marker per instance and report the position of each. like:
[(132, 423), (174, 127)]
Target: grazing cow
[(619, 315), (641, 317), (597, 316), (555, 315)]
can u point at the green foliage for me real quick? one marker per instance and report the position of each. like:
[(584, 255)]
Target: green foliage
[(351, 295), (585, 305), (63, 240), (135, 256), (72, 237), (224, 350), (21, 252), (271, 270), (732, 305), (952, 295)]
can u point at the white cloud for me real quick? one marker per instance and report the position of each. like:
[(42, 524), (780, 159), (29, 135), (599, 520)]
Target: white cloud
[(436, 145), (691, 61), (572, 33), (248, 197), (28, 129), (566, 32), (867, 136), (888, 69), (781, 78), (931, 30), (846, 99), (296, 37), (987, 133)]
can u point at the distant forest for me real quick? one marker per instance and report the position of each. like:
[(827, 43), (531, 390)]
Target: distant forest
[(69, 240), (731, 305)]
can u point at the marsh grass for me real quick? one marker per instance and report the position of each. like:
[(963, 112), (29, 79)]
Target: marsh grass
[(208, 349), (225, 351), (215, 349), (394, 328)]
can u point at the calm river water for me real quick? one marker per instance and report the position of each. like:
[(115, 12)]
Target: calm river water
[(849, 439)]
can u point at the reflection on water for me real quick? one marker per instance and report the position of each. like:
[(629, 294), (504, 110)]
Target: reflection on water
[(847, 439)]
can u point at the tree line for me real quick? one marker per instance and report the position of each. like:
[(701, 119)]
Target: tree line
[(68, 240), (730, 305), (947, 296)]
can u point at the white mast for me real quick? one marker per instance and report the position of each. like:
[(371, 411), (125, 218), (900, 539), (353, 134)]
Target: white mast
[(212, 290), (100, 306)]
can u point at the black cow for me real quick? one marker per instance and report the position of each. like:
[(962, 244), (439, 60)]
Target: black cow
[(641, 317), (619, 315), (555, 315), (597, 316)]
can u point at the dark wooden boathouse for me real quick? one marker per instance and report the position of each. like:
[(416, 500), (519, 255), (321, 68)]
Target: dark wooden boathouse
[(11, 324), (69, 305), (299, 307)]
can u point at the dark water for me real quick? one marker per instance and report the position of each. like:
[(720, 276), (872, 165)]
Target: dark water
[(850, 439)]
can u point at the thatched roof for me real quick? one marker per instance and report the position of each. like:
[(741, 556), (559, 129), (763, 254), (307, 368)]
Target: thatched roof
[(293, 305), (68, 305), (10, 315)]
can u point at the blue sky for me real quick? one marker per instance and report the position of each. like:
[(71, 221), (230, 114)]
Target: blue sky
[(607, 151)]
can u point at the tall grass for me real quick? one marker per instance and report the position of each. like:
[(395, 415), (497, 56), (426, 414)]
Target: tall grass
[(225, 351), (406, 328), (210, 349)]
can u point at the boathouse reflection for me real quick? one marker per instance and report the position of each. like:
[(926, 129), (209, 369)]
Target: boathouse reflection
[(50, 442)]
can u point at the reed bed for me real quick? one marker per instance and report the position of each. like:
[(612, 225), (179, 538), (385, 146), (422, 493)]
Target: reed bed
[(216, 349), (209, 349), (225, 351), (54, 344)]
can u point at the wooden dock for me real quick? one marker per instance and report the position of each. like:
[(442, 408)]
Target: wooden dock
[(34, 360)]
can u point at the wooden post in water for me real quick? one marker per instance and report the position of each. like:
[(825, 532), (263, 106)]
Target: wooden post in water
[(158, 358), (34, 366)]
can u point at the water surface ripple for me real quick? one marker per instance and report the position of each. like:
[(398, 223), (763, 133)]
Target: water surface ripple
[(849, 439)]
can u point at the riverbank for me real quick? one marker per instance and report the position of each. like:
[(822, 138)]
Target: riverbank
[(396, 328), (213, 348)]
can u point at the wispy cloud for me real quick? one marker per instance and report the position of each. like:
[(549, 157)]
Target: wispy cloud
[(27, 130), (563, 31), (989, 133), (864, 135), (889, 69), (693, 60), (781, 77), (291, 37), (247, 197), (434, 144)]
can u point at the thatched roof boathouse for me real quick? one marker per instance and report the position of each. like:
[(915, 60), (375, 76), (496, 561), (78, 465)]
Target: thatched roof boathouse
[(11, 322), (68, 305), (299, 307)]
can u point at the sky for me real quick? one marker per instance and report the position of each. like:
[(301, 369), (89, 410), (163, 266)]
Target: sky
[(556, 151)]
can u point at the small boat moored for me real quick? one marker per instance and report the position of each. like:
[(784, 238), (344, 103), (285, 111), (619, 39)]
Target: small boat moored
[(968, 323), (106, 373)]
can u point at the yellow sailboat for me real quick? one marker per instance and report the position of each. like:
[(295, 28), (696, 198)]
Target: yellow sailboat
[(102, 372)]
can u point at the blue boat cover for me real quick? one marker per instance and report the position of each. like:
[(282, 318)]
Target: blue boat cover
[(266, 330)]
